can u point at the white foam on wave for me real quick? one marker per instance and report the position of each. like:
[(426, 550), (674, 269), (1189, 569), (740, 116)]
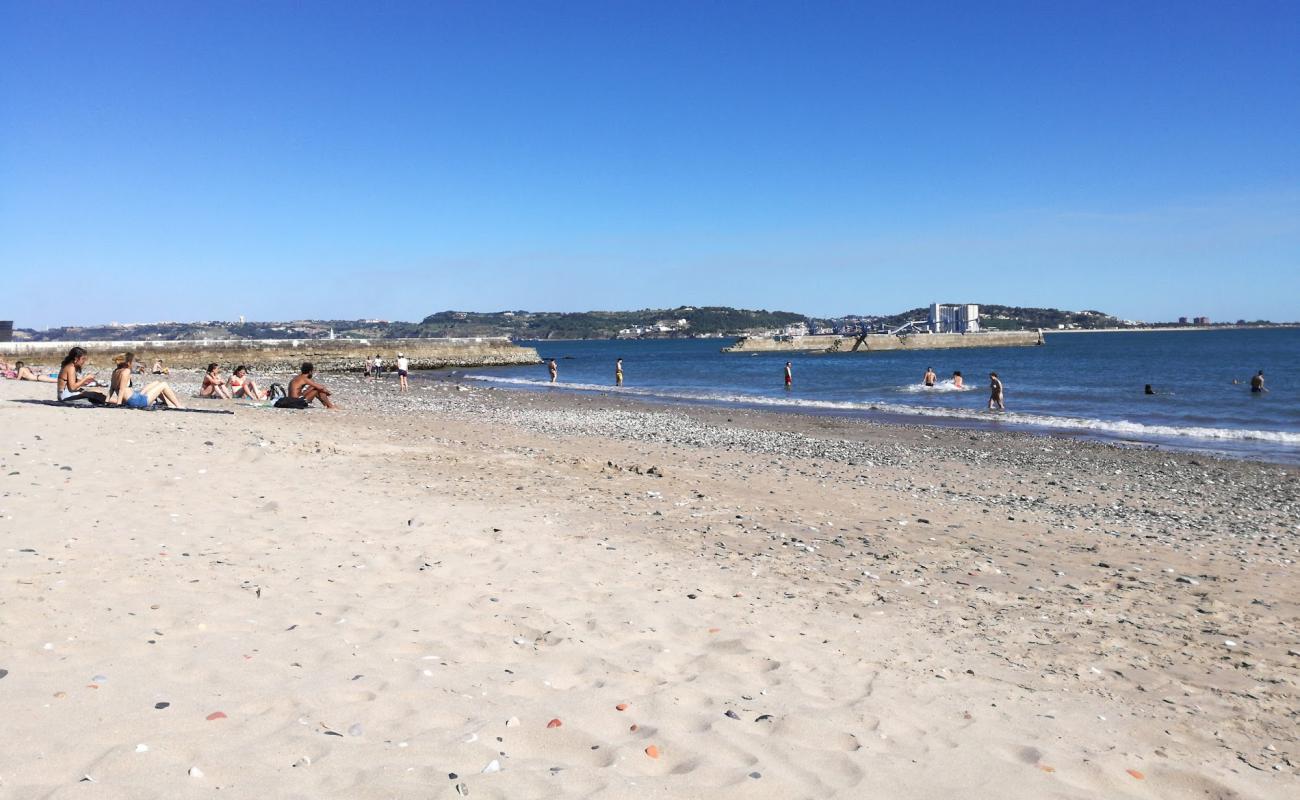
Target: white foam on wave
[(941, 387), (1118, 428)]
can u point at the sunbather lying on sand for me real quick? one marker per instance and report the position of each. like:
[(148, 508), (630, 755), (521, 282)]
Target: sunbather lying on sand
[(122, 394), (25, 373)]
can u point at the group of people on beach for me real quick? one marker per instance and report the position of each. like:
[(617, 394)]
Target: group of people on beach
[(374, 370), (74, 384)]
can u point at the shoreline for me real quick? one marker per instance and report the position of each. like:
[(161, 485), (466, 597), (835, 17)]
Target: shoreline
[(412, 588), (1061, 428)]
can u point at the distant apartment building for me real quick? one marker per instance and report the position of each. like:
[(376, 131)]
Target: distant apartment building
[(959, 318), (6, 330), (1202, 320), (1182, 320)]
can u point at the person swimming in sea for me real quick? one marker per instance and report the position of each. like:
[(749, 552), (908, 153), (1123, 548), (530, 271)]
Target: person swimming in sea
[(957, 382), (1148, 390), (930, 377)]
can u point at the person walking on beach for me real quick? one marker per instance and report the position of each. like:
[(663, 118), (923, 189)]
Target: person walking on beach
[(930, 377), (553, 368), (403, 369), (1257, 383), (378, 366), (618, 372), (995, 392), (789, 376)]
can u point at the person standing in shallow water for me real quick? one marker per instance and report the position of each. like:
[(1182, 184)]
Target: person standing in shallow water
[(930, 377), (1257, 383), (789, 375), (618, 372), (554, 369), (995, 393)]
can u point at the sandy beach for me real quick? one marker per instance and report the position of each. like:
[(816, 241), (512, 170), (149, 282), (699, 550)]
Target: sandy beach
[(465, 591)]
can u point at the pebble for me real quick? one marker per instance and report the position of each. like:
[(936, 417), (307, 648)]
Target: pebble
[(305, 761), (161, 706), (555, 723), (216, 715), (621, 707), (195, 772), (3, 672), (355, 729), (493, 766), (142, 748), (512, 722), (652, 751), (755, 775), (732, 714)]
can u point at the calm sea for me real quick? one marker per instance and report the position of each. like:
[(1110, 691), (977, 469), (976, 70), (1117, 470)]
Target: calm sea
[(1077, 384)]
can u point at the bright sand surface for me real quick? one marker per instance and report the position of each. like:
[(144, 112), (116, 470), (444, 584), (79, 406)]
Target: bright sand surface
[(365, 603)]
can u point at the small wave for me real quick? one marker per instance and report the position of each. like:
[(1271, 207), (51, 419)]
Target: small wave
[(1119, 428), (940, 388)]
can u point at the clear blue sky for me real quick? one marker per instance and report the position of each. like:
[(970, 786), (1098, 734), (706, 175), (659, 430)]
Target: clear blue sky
[(279, 160)]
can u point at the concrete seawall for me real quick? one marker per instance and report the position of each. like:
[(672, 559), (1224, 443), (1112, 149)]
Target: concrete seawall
[(874, 342), (281, 355)]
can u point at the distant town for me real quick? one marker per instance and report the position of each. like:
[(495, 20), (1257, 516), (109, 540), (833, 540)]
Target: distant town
[(681, 322)]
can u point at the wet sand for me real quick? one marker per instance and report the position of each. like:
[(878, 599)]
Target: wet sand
[(398, 600)]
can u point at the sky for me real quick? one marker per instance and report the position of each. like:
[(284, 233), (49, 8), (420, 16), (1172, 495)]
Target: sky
[(199, 161)]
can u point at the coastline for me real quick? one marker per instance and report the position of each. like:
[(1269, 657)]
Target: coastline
[(904, 610)]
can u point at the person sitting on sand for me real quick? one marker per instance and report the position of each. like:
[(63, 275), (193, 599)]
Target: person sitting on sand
[(213, 385), (995, 392), (159, 368), (957, 380), (242, 386), (121, 393), (23, 372), (71, 384), (302, 386), (930, 377)]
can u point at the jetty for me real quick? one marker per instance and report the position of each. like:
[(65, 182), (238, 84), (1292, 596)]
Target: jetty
[(907, 338), (268, 355)]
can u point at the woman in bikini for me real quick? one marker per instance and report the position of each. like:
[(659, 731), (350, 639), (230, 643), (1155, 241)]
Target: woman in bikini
[(121, 393), (71, 383), (242, 386), (25, 373), (213, 385)]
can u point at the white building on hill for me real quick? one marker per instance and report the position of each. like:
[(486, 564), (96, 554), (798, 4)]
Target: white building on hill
[(960, 318)]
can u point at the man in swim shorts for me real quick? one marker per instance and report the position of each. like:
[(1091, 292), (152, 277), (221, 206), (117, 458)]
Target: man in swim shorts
[(1257, 383), (302, 386), (930, 377)]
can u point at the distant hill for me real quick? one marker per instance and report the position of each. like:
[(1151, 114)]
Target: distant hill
[(682, 321), (650, 322)]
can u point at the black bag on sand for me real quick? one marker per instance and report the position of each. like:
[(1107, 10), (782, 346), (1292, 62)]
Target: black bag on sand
[(291, 402), (277, 390)]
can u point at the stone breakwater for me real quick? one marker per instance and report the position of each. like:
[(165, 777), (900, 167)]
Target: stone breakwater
[(284, 355), (873, 342)]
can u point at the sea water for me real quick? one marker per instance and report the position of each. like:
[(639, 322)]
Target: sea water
[(1083, 384)]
